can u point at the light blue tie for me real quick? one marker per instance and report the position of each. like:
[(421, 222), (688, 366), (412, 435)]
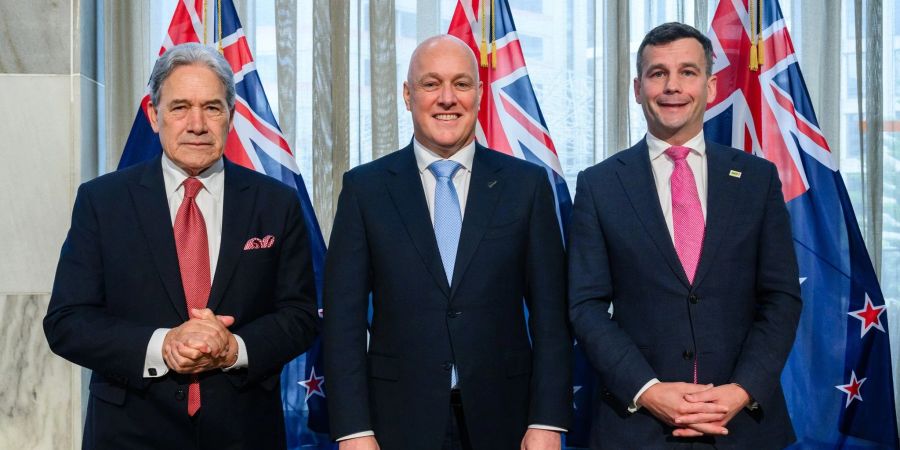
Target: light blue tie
[(447, 223), (447, 214)]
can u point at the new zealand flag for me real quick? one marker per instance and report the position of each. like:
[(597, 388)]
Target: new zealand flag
[(838, 377)]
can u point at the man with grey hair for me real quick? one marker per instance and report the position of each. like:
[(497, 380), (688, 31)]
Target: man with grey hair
[(449, 237), (185, 282)]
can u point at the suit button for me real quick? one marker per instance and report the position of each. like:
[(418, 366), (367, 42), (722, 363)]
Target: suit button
[(453, 313), (687, 355), (693, 299), (447, 365), (179, 394)]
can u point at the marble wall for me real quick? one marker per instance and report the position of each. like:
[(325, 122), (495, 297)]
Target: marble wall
[(51, 85), (40, 399)]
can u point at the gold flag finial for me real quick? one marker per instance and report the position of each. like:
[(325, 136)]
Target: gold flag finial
[(203, 19), (754, 61), (483, 48)]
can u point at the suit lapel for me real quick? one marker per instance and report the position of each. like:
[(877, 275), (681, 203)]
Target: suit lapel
[(153, 212), (484, 191), (636, 177), (405, 187), (237, 210), (720, 200)]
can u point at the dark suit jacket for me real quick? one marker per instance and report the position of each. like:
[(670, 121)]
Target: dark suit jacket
[(738, 317), (510, 249), (118, 281)]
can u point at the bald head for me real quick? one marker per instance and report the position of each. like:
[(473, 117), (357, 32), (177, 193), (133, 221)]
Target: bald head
[(437, 46), (443, 93)]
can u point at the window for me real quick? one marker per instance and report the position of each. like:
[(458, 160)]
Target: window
[(406, 24), (528, 5), (532, 47)]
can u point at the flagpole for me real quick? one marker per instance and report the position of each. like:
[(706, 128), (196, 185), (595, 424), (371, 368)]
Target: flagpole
[(219, 22), (483, 46), (754, 62), (493, 37), (203, 19), (760, 48)]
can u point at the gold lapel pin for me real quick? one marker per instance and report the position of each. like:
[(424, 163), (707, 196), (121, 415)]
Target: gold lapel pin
[(734, 173)]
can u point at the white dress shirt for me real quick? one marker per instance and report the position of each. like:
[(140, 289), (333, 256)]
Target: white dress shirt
[(209, 200), (461, 179), (662, 166), (424, 158)]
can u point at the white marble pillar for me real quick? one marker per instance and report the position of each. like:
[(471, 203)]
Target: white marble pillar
[(51, 85)]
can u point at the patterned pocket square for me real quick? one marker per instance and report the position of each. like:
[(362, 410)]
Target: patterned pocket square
[(257, 243)]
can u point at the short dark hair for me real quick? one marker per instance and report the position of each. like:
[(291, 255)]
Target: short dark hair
[(671, 32)]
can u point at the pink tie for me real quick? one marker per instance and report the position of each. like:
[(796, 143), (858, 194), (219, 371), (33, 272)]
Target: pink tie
[(687, 215), (193, 261)]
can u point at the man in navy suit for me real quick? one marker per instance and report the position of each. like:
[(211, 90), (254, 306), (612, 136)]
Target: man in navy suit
[(683, 283), (185, 282), (449, 237)]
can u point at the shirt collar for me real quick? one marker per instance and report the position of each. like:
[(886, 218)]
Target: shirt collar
[(213, 178), (658, 146), (424, 156)]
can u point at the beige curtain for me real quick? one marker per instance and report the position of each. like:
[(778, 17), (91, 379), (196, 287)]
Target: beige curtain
[(617, 74), (331, 104), (701, 15), (819, 39), (383, 67), (286, 54), (127, 31), (872, 156)]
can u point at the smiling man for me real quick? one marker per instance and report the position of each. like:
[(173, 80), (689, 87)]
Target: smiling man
[(683, 283), (185, 327), (448, 237)]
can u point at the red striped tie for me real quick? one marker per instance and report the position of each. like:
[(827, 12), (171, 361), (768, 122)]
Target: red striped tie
[(193, 261)]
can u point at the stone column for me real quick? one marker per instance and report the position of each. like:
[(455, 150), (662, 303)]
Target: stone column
[(51, 83)]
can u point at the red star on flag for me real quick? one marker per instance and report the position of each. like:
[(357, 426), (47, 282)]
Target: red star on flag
[(313, 385), (852, 389), (870, 316)]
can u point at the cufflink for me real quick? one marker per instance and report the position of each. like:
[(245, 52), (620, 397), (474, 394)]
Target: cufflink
[(152, 371)]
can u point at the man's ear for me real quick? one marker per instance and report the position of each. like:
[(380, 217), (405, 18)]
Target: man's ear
[(152, 115), (711, 89), (637, 90), (406, 95)]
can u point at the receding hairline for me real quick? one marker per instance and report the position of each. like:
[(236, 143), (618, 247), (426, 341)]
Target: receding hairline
[(435, 41)]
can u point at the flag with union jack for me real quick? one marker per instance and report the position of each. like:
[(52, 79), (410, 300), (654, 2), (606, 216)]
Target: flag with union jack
[(510, 121), (255, 142), (838, 378)]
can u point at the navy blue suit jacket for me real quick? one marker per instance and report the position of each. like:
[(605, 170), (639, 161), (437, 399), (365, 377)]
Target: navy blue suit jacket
[(738, 318), (510, 249), (118, 280)]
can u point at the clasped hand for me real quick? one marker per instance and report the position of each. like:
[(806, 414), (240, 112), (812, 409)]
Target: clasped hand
[(200, 344), (695, 409)]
